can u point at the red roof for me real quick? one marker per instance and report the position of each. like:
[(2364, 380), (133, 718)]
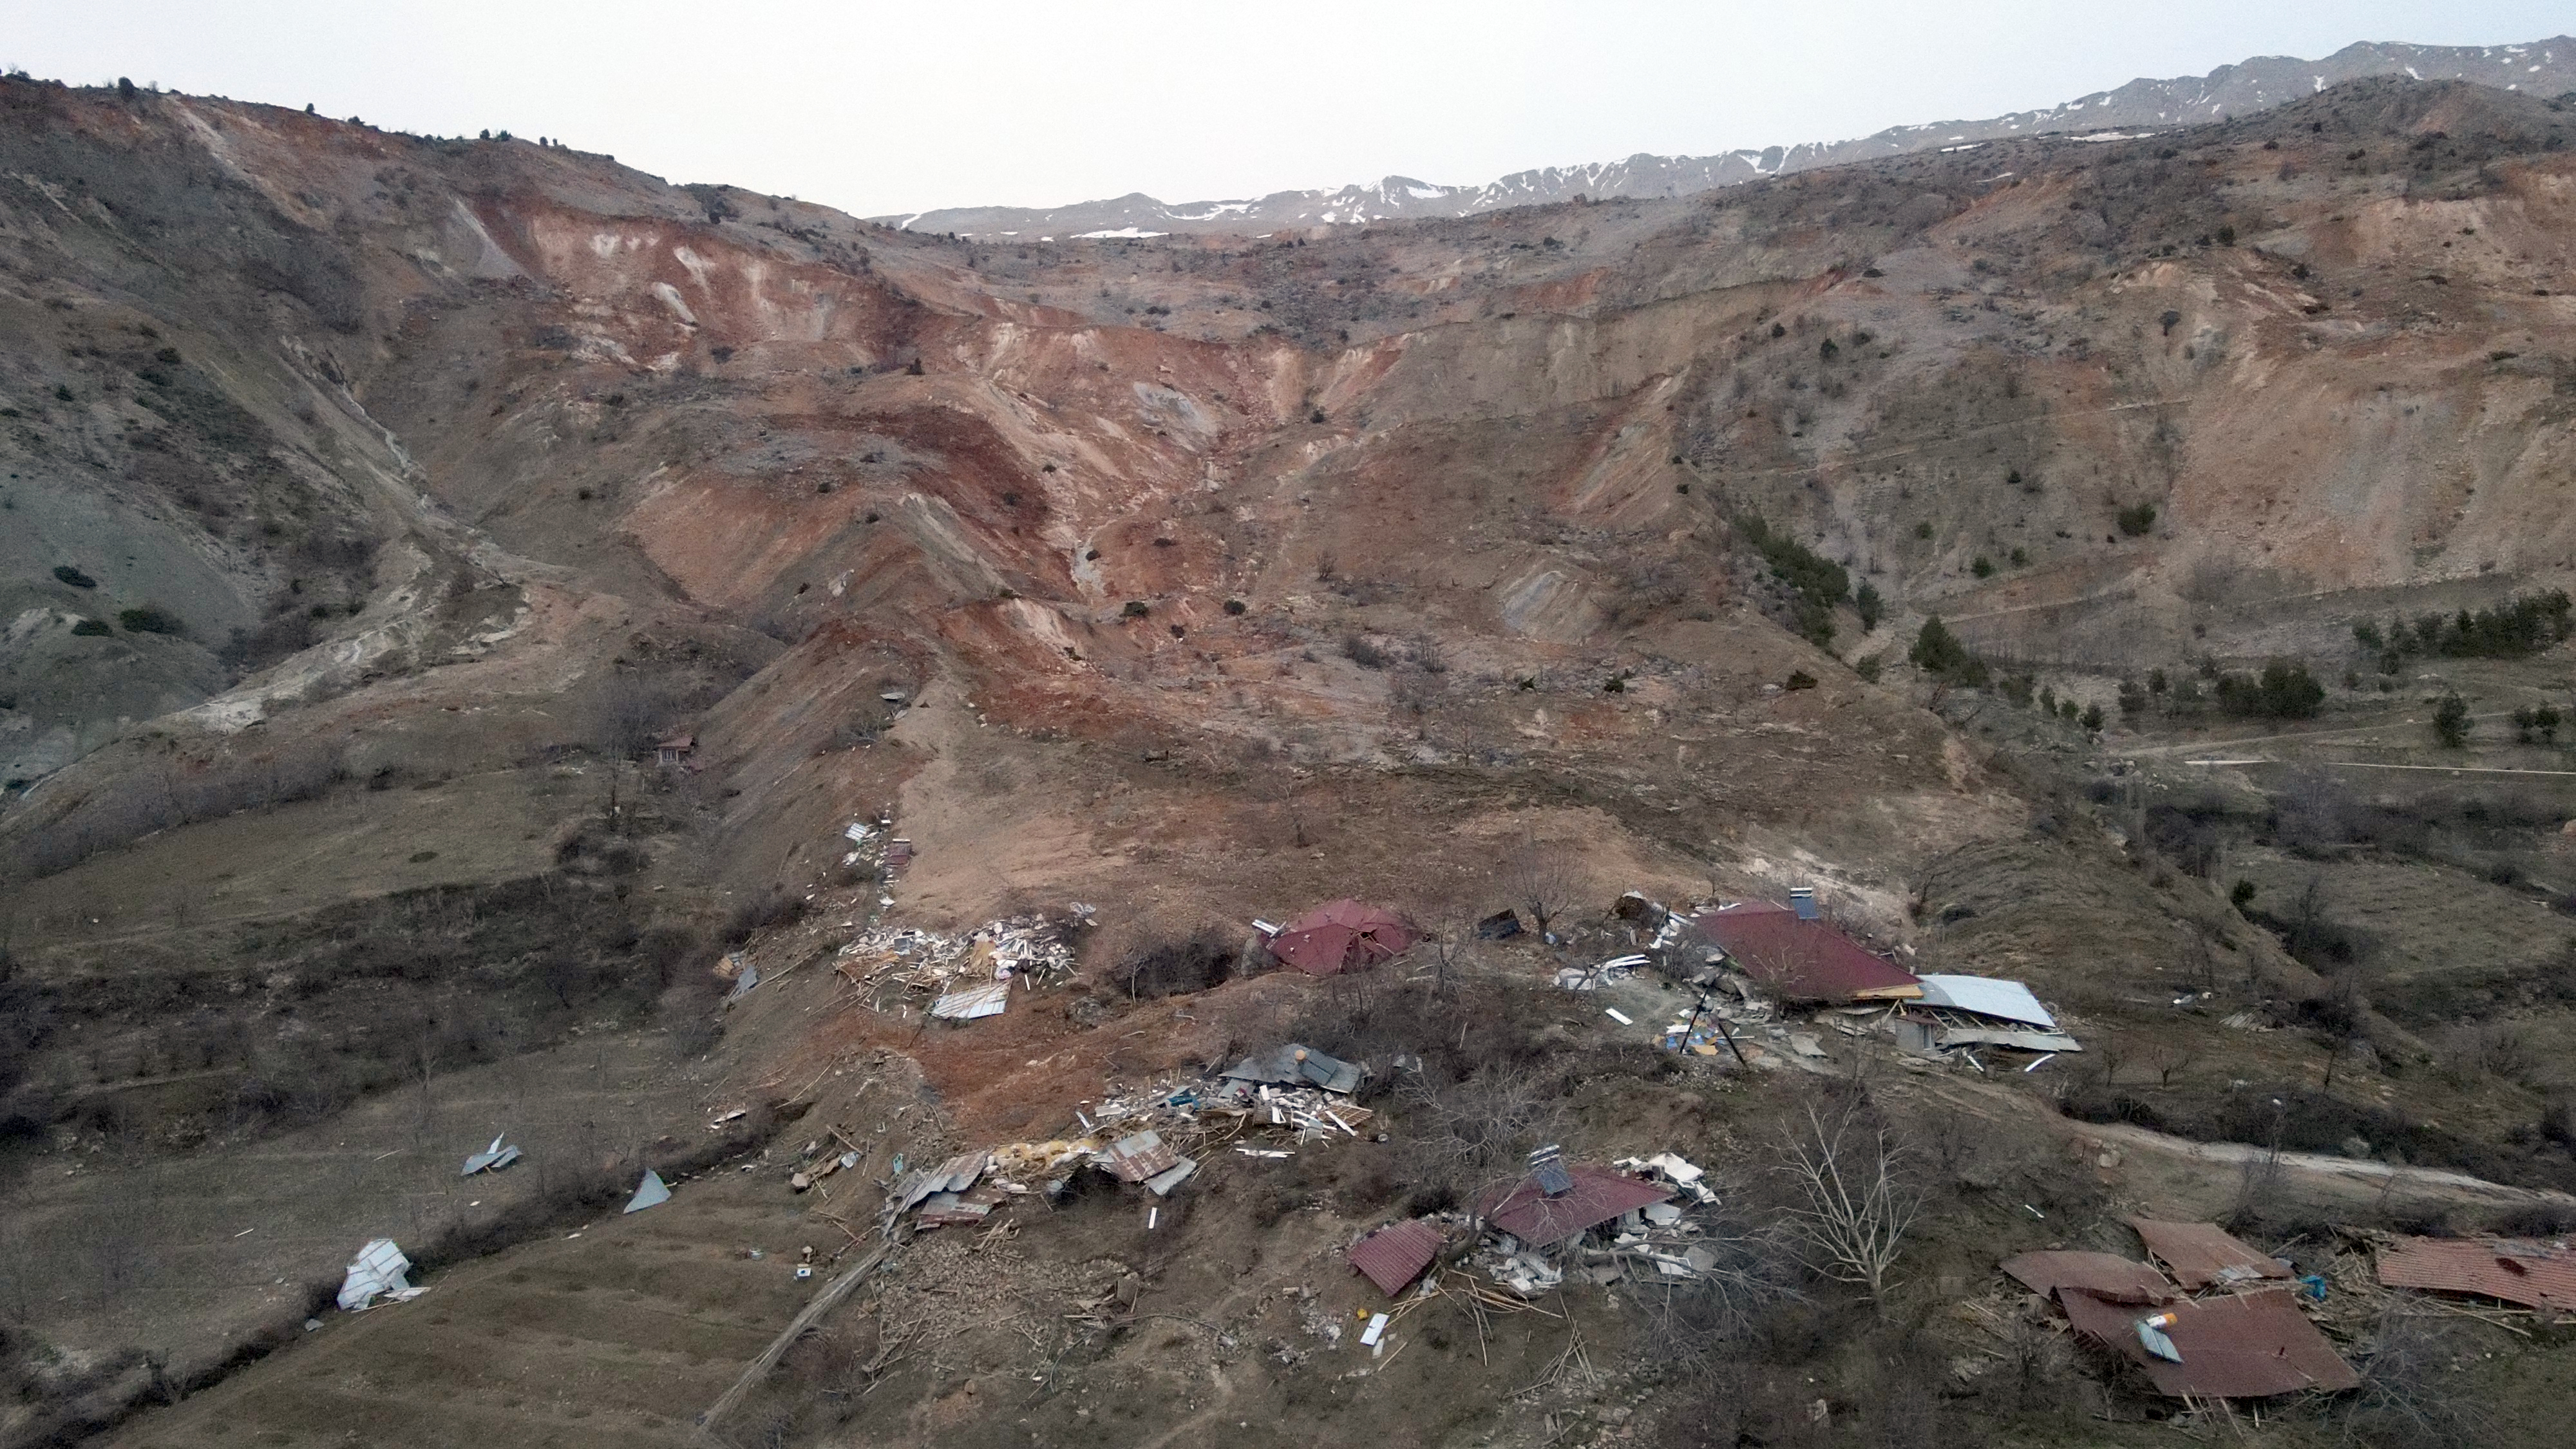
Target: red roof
[(2247, 1346), (2535, 1275), (1340, 937), (1804, 960), (1598, 1195), (2107, 1276), (1396, 1255), (2200, 1254)]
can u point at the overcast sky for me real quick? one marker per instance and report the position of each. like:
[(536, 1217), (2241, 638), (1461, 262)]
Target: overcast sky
[(880, 108)]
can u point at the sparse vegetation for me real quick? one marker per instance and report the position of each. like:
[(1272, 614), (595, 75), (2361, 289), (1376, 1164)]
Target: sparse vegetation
[(2282, 691), (1939, 653), (2516, 629), (2138, 519), (1816, 583), (149, 619), (2451, 721)]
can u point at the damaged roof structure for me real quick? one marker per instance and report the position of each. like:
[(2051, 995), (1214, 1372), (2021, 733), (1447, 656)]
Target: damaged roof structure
[(1394, 1255), (1558, 1200), (1342, 936), (2107, 1276), (1799, 958), (2226, 1344), (1293, 1066), (2520, 1271), (2202, 1254), (2239, 1346)]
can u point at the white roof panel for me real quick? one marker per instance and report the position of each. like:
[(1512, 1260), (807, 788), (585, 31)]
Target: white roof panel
[(2009, 1000)]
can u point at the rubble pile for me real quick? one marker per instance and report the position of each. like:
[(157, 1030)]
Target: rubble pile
[(977, 967), (1153, 1138)]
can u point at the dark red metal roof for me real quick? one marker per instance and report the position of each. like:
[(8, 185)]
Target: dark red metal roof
[(2105, 1275), (1598, 1195), (2509, 1270), (1395, 1255), (2245, 1346), (2199, 1254), (1341, 936), (1802, 960)]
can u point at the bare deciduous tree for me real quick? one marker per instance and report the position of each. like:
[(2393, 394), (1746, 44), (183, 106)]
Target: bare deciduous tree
[(2169, 1059), (1858, 1204), (1470, 1134), (1540, 879), (2411, 1393), (1447, 935)]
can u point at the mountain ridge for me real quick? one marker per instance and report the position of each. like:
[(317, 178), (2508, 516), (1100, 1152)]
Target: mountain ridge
[(2545, 67)]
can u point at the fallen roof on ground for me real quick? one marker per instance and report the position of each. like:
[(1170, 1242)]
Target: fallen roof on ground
[(2509, 1270), (1342, 936), (1297, 1066), (2243, 1346), (1801, 960), (1395, 1255), (2107, 1276), (1591, 1196), (2006, 1000), (2199, 1254), (1135, 1159)]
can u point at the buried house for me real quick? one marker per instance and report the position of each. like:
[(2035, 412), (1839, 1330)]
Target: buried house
[(1792, 953), (1343, 936)]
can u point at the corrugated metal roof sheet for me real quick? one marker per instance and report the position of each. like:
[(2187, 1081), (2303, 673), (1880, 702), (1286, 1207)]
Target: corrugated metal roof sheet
[(2199, 1254), (1804, 960), (2246, 1346), (1395, 1255), (1134, 1159), (2509, 1270), (2106, 1275), (990, 999), (1598, 1195), (2029, 1041), (2009, 1000)]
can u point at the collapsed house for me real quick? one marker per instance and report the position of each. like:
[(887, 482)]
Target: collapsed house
[(1794, 955), (1342, 936), (2233, 1346), (967, 976), (1558, 1200), (2234, 1340), (1292, 1096)]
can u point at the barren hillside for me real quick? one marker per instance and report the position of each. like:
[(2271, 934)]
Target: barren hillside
[(378, 503)]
